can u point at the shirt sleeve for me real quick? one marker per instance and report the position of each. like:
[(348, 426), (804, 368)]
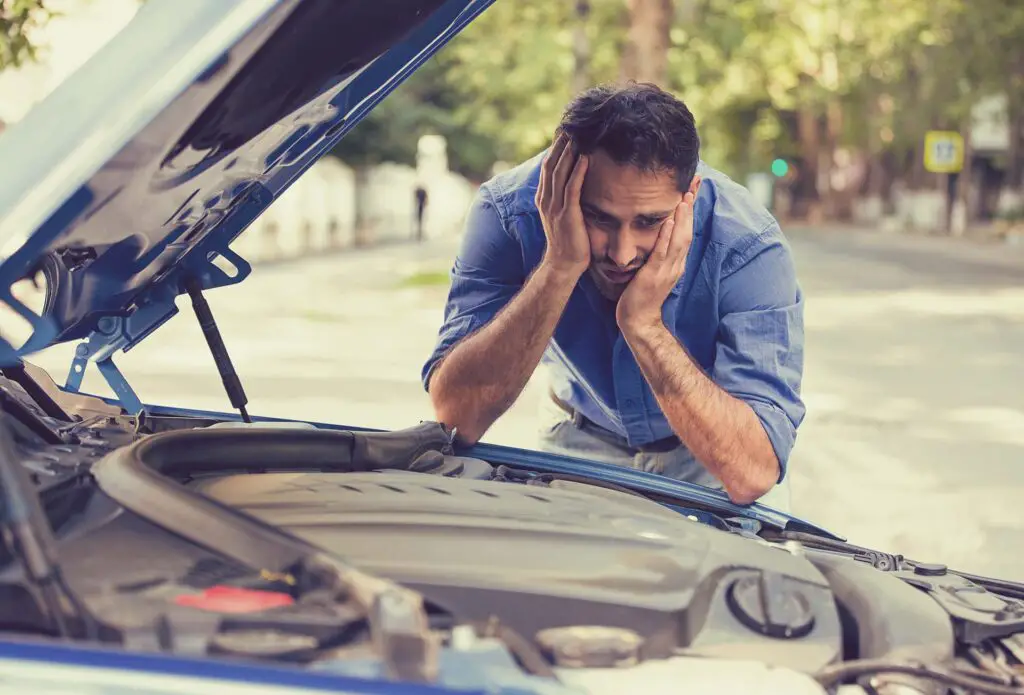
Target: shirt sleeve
[(760, 351), (488, 272)]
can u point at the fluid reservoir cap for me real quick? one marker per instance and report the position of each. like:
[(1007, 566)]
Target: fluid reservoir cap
[(926, 569), (264, 643), (770, 604), (591, 646)]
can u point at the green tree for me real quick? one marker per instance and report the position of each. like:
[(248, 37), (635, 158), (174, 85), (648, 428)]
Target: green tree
[(802, 79), (425, 104), (18, 18)]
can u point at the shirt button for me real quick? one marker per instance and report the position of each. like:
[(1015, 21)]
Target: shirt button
[(630, 403)]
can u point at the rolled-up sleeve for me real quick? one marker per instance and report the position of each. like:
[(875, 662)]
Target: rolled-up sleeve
[(760, 354), (487, 273)]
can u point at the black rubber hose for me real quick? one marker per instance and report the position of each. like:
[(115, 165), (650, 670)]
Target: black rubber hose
[(839, 673)]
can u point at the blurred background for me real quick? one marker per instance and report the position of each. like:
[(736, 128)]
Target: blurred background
[(886, 135)]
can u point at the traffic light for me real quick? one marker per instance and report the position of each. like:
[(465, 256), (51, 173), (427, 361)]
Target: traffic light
[(780, 167)]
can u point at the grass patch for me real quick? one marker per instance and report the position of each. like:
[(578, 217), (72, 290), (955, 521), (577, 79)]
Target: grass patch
[(430, 278)]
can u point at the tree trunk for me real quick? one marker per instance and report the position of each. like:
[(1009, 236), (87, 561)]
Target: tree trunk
[(836, 203), (581, 48), (806, 198), (963, 181), (1015, 156), (363, 235), (645, 56), (918, 175), (1015, 113)]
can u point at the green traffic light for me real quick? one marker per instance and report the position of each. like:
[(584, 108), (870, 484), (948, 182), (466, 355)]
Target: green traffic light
[(780, 167)]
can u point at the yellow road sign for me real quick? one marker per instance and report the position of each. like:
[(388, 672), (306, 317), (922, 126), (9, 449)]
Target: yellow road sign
[(943, 151)]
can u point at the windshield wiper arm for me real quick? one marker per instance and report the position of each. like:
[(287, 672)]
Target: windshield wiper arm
[(31, 541)]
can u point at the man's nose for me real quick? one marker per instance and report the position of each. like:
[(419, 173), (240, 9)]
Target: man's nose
[(621, 249)]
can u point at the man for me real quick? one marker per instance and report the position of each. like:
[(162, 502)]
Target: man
[(660, 294)]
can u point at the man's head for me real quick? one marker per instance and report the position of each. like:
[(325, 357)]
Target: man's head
[(643, 150)]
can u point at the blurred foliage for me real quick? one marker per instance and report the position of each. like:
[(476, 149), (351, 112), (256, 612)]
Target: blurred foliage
[(17, 20), (765, 78), (867, 74), (426, 103)]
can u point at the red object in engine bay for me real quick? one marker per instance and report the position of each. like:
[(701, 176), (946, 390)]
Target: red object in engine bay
[(233, 599)]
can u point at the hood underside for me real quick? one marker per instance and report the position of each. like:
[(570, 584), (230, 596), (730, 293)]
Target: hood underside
[(143, 166)]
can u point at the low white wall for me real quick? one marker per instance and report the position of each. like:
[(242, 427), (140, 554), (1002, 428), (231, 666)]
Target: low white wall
[(319, 211)]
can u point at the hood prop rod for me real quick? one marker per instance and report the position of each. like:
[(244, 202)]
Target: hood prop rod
[(208, 324)]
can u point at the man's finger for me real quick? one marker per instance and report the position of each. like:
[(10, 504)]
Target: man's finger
[(683, 219), (574, 189), (544, 188), (555, 152), (665, 234), (560, 178)]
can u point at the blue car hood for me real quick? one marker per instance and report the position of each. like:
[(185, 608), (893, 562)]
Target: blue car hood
[(141, 168)]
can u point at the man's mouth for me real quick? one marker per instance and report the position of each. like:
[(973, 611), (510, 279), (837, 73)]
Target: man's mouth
[(617, 277)]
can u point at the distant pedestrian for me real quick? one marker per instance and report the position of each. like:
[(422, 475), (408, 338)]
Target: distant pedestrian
[(421, 207)]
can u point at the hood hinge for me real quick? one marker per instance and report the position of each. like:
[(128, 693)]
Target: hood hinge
[(156, 307)]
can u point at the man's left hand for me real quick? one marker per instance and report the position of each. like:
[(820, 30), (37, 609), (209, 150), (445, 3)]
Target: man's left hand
[(641, 302)]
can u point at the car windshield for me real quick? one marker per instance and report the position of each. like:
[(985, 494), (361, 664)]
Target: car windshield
[(836, 330)]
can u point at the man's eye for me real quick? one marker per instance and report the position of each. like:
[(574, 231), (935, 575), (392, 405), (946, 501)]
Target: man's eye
[(598, 220), (647, 223)]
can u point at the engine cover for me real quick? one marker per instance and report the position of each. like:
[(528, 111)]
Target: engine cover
[(543, 557)]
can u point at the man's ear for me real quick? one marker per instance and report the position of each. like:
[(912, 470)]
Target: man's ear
[(695, 185)]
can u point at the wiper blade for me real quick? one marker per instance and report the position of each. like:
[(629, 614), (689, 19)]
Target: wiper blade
[(889, 562), (30, 539)]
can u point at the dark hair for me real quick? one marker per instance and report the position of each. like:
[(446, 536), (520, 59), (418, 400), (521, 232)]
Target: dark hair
[(638, 124)]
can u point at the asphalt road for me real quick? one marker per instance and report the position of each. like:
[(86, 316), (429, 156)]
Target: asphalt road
[(914, 440)]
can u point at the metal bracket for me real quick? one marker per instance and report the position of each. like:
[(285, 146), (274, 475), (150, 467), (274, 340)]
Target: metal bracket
[(111, 374), (152, 310)]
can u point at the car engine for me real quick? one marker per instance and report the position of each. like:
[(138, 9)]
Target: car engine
[(548, 582)]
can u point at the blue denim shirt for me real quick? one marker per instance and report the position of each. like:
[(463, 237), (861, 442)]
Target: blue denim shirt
[(738, 309)]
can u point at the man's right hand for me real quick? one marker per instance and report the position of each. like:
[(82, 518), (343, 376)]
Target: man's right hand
[(558, 200)]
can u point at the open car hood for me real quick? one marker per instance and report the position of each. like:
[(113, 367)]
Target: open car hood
[(142, 167)]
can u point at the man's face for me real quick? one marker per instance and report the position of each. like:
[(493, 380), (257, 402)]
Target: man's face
[(623, 208)]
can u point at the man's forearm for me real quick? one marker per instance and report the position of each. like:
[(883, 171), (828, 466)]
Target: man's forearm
[(481, 377), (721, 431)]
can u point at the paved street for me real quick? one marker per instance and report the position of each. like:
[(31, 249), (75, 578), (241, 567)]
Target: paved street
[(914, 441)]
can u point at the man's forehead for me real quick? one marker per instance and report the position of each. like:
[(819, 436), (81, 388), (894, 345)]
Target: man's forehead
[(625, 191), (631, 206)]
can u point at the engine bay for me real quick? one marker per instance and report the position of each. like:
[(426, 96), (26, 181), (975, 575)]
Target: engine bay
[(282, 541)]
